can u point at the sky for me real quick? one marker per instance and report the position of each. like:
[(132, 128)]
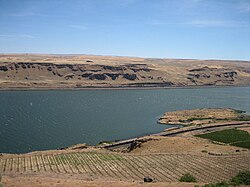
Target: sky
[(187, 29)]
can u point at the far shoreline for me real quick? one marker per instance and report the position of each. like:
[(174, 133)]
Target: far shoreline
[(117, 88)]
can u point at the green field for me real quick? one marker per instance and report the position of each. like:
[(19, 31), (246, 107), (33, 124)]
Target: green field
[(233, 137)]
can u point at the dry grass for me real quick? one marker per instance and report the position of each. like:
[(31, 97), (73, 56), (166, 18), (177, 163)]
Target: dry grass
[(47, 72)]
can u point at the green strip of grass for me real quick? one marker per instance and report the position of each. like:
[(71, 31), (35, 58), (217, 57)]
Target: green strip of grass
[(239, 111), (234, 137)]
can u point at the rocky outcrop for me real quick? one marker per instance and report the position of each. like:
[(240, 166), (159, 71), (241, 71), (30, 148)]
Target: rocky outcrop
[(3, 68), (60, 66), (211, 76), (147, 179), (113, 75), (152, 84), (49, 68), (230, 74), (113, 68), (130, 76), (70, 76), (86, 75), (98, 76)]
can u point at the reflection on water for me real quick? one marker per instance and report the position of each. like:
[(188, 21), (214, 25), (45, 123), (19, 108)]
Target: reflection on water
[(38, 120)]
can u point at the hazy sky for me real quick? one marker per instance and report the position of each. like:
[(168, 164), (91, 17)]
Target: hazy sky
[(205, 29)]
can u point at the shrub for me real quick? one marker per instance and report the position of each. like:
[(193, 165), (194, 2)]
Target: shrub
[(0, 181), (188, 178), (193, 119), (219, 184), (239, 111), (242, 177)]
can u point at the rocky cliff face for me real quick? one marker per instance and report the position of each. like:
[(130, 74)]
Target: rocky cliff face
[(119, 73), (212, 76)]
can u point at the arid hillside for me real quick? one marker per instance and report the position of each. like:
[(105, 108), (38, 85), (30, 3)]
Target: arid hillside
[(85, 71)]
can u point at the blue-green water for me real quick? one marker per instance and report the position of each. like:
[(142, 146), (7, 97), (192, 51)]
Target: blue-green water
[(39, 120)]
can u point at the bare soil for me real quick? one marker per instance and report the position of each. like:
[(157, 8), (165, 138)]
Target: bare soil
[(69, 181), (186, 145), (245, 129)]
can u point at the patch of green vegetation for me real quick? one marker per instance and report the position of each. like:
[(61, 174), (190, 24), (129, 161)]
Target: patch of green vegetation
[(68, 158), (204, 151), (107, 157), (65, 159), (193, 119), (187, 178), (244, 144), (234, 137), (239, 111), (1, 185), (242, 118), (219, 184), (243, 178)]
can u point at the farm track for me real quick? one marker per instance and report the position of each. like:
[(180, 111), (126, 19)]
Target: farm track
[(162, 167)]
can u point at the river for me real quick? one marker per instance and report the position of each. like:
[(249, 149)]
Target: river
[(40, 120)]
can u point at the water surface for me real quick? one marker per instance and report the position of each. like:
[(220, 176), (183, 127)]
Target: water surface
[(40, 120)]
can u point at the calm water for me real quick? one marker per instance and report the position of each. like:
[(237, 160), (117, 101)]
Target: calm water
[(39, 120)]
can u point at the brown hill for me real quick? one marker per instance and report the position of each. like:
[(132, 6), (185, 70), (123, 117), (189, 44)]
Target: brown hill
[(86, 71)]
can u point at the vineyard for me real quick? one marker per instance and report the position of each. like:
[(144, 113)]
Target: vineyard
[(161, 167)]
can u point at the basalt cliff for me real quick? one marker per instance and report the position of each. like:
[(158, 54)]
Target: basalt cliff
[(86, 71)]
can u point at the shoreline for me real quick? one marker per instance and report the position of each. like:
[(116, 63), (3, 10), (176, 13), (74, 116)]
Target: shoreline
[(116, 88), (124, 142)]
